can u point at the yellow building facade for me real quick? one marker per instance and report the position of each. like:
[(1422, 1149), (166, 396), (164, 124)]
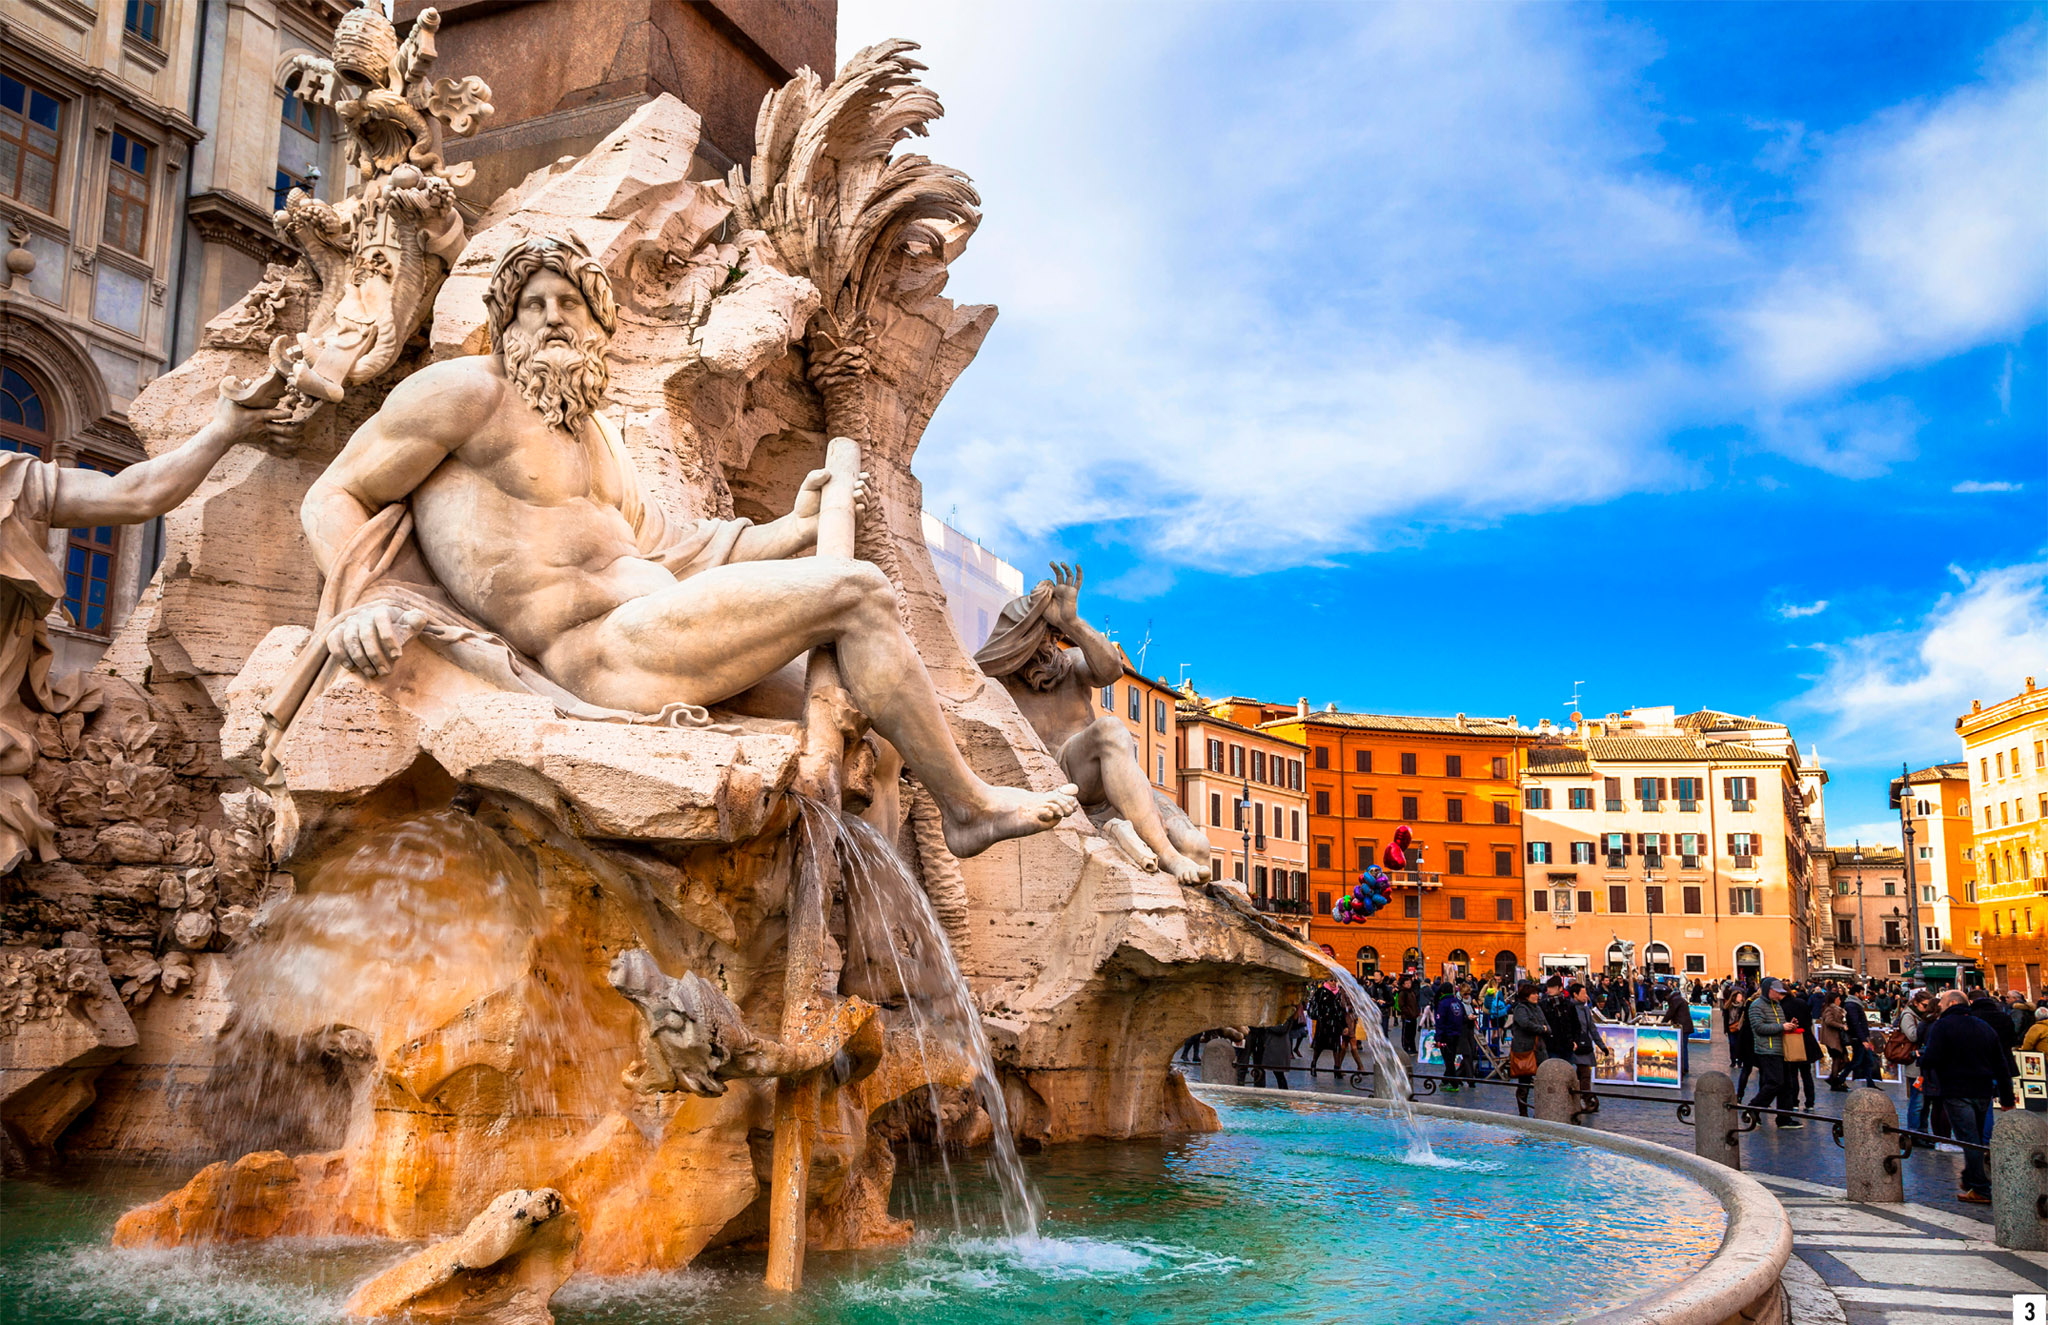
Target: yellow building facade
[(2005, 748)]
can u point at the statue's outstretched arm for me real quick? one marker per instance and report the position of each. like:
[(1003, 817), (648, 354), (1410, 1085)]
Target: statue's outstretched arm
[(144, 491)]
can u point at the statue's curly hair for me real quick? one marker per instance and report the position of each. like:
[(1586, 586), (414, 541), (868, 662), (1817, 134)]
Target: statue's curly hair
[(564, 254)]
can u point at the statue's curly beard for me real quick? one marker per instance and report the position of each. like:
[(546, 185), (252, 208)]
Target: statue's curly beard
[(558, 374), (1046, 667)]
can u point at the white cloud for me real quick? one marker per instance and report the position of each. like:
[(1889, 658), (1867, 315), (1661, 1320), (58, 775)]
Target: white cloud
[(1259, 311), (1793, 611), (1927, 234), (1896, 694), (1977, 485)]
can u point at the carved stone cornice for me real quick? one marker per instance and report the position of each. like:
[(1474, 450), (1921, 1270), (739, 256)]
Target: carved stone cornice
[(222, 218)]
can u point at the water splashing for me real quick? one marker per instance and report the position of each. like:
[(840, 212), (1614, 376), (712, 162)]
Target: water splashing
[(891, 914)]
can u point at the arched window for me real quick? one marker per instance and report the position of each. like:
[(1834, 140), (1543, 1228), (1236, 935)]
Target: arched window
[(1748, 958), (1411, 960), (1657, 958), (1460, 958), (1505, 962), (1367, 962), (299, 149), (24, 422)]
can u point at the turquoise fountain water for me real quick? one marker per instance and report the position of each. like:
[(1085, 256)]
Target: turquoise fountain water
[(1296, 1211)]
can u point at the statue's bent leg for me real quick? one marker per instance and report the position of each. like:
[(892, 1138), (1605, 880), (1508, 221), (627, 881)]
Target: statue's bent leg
[(1124, 784), (709, 637)]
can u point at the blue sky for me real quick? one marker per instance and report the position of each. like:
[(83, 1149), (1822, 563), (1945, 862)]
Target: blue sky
[(1442, 357)]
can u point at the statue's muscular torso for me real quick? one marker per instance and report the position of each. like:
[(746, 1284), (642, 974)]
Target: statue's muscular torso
[(520, 523)]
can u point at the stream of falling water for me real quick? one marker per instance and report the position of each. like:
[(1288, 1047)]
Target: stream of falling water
[(891, 915)]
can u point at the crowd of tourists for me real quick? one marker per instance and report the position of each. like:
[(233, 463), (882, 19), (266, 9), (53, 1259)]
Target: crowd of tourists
[(1954, 1051)]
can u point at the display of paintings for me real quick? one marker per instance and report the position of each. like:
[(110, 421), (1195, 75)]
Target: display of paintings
[(1614, 1057), (2033, 1064), (1702, 1022), (1657, 1056), (1425, 1048), (2033, 1088)]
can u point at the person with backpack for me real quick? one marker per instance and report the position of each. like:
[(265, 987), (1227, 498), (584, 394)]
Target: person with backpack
[(1453, 1025), (1862, 1062), (1496, 1005), (1902, 1047), (1735, 1028)]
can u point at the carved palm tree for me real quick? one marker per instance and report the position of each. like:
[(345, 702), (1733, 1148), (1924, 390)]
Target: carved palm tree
[(838, 207)]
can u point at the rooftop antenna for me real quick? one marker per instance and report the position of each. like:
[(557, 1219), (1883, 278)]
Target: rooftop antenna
[(1184, 675), (1144, 644), (1574, 705)]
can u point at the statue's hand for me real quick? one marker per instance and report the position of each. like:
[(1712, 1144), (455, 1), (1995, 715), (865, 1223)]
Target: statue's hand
[(810, 498), (370, 638), (1065, 608), (243, 423)]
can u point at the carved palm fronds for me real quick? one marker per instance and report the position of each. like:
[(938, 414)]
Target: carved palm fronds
[(837, 206)]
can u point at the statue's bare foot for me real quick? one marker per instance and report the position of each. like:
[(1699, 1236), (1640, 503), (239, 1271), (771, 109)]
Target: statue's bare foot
[(1006, 812), (1182, 869)]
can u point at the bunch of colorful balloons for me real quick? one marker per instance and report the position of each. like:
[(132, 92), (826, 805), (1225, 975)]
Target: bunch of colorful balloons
[(1372, 891)]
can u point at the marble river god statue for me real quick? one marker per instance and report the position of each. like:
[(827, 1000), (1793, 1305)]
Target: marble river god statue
[(1055, 688), (490, 500)]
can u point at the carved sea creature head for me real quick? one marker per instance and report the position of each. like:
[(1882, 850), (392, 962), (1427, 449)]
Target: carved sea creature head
[(559, 369), (694, 1026)]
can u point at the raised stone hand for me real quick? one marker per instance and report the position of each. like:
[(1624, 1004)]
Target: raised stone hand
[(1065, 608)]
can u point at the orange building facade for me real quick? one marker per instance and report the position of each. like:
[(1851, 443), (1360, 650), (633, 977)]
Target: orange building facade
[(1453, 781)]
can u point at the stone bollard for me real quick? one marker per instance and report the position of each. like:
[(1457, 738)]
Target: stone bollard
[(1557, 1091), (2019, 1180), (1870, 1155), (1714, 1120), (1219, 1062)]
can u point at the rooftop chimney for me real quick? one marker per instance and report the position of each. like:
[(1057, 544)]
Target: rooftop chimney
[(1301, 707), (1330, 707), (1461, 720)]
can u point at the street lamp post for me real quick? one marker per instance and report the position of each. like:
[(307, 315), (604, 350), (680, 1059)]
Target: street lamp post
[(1862, 957), (1912, 884), (1244, 821), (1415, 870)]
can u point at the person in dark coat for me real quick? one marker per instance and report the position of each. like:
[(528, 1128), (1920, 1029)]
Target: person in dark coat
[(1987, 1010), (1735, 1026), (1453, 1025), (1273, 1051), (1409, 1008), (1528, 1029), (1862, 1062), (1964, 1063), (1326, 1007), (1804, 1009), (1562, 1018)]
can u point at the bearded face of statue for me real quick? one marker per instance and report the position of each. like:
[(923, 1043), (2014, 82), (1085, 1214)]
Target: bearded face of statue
[(1044, 670), (554, 351)]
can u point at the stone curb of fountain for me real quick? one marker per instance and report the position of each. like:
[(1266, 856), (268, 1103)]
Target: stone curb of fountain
[(1739, 1283)]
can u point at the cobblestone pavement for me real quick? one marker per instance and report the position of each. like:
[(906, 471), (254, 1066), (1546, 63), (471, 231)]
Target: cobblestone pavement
[(1930, 1261)]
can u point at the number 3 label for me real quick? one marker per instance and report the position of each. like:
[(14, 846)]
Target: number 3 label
[(2030, 1309)]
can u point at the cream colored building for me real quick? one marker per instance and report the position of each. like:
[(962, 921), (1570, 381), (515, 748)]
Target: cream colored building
[(1223, 763), (978, 583), (1675, 843), (138, 158), (2005, 748)]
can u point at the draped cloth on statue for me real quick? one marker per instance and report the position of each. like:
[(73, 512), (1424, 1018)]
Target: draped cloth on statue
[(30, 586), (1019, 632), (381, 563)]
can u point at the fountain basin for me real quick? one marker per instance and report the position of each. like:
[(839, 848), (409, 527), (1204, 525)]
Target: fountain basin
[(1304, 1208)]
